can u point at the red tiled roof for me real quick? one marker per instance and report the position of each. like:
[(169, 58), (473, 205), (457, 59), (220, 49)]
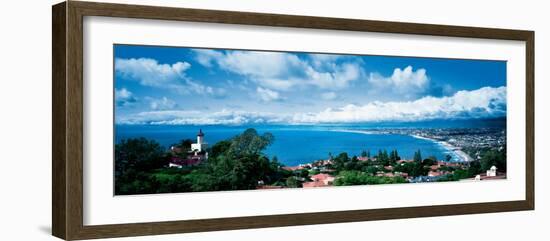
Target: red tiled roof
[(314, 184), (294, 168), (362, 158), (320, 177)]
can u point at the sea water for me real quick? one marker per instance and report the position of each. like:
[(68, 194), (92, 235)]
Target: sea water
[(297, 144)]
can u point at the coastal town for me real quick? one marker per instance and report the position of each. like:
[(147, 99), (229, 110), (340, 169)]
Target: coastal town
[(381, 167), (468, 142)]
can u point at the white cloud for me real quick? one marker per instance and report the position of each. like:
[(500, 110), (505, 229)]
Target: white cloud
[(161, 104), (405, 81), (323, 60), (124, 97), (206, 56), (339, 78), (283, 71), (151, 73), (481, 103), (259, 64), (180, 117), (267, 94), (486, 102), (329, 96)]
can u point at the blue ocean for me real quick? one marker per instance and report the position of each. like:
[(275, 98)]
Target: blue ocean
[(298, 144)]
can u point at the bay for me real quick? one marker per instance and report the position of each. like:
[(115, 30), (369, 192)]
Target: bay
[(295, 144)]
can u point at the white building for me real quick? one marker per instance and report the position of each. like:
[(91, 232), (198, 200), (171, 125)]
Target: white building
[(492, 172), (200, 145)]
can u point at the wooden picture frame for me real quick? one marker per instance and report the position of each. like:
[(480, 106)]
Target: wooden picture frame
[(67, 124)]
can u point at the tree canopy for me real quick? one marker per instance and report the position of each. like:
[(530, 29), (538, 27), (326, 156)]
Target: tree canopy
[(234, 164)]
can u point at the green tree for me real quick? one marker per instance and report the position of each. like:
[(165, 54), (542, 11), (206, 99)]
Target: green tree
[(417, 156), (429, 161), (219, 148), (341, 161), (474, 168), (494, 158), (185, 144), (250, 143), (293, 182), (383, 158), (139, 154), (394, 157), (239, 164)]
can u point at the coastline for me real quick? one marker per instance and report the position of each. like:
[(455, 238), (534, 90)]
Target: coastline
[(461, 154)]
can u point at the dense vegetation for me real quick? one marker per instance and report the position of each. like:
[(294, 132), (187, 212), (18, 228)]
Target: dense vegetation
[(488, 157), (234, 164), (352, 171), (348, 178)]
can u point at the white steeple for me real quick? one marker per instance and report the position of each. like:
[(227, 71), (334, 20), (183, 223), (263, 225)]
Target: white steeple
[(200, 145)]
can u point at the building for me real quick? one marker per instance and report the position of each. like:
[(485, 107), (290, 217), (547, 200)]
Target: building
[(189, 161), (195, 156), (322, 177), (293, 168), (319, 180), (200, 145), (492, 172), (363, 158), (434, 174)]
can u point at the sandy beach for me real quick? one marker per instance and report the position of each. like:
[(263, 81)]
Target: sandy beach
[(456, 150), (465, 157)]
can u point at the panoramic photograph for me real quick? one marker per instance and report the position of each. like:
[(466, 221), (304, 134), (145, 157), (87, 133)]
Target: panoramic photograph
[(200, 120)]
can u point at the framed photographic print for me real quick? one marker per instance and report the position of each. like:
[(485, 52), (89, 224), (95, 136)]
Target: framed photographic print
[(170, 120)]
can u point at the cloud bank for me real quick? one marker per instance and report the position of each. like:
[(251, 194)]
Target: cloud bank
[(486, 102)]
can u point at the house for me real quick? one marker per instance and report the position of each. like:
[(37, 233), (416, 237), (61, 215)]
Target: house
[(402, 174), (434, 174), (323, 177), (492, 172), (319, 180), (196, 156), (189, 161), (483, 176), (362, 158), (294, 168), (313, 184)]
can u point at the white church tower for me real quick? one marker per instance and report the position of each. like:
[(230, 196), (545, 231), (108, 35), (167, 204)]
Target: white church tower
[(200, 145)]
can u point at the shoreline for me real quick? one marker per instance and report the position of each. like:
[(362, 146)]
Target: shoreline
[(456, 150)]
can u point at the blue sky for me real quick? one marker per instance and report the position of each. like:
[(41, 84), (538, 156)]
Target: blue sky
[(176, 85)]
